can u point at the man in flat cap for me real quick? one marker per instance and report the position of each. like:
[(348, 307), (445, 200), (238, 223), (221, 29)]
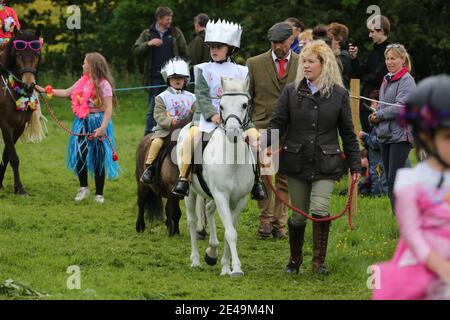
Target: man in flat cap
[(269, 73)]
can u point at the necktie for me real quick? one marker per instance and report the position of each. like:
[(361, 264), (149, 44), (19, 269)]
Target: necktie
[(282, 65)]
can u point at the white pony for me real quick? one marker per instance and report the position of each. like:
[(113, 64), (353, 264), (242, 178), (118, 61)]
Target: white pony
[(228, 172)]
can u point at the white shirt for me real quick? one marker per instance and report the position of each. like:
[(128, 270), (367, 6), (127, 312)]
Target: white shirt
[(277, 64), (312, 87)]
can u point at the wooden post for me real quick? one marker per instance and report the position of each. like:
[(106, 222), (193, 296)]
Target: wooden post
[(354, 103), (355, 91)]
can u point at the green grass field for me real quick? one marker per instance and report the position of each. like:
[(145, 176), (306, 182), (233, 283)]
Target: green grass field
[(43, 234)]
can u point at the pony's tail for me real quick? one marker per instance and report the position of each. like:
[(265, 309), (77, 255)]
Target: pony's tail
[(35, 129)]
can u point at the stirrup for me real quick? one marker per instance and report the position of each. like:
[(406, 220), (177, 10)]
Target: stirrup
[(148, 175), (181, 188), (259, 191)]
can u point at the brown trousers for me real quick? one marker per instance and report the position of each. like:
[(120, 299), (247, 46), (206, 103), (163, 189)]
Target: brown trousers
[(272, 211)]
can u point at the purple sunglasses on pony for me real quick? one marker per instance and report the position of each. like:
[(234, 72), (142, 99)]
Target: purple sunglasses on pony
[(21, 45)]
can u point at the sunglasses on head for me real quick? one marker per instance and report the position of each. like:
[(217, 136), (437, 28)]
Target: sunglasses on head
[(394, 45), (34, 45)]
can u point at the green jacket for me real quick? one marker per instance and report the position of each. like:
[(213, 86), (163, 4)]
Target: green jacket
[(198, 52), (266, 86), (203, 100), (143, 51)]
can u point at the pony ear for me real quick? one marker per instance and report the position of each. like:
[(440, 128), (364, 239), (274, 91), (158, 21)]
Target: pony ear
[(223, 83), (247, 85)]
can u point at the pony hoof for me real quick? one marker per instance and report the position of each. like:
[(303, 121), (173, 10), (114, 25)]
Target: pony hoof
[(225, 272), (195, 264), (210, 260), (237, 274), (140, 227), (22, 193)]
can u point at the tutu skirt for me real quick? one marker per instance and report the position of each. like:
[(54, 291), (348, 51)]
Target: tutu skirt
[(95, 155)]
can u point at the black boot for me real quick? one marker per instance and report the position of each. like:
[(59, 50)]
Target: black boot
[(320, 243), (181, 188), (296, 236), (259, 190), (148, 175)]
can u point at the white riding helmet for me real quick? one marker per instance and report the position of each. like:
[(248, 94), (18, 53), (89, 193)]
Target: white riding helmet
[(175, 67), (223, 32)]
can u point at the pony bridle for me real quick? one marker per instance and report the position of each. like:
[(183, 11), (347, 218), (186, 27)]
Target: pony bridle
[(33, 71), (242, 123)]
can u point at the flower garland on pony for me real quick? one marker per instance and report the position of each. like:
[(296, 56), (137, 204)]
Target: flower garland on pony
[(23, 103)]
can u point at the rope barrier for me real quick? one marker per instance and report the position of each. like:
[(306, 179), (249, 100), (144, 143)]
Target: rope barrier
[(145, 87), (165, 86), (372, 100)]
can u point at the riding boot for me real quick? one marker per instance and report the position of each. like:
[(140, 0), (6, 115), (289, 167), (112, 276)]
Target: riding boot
[(320, 242), (181, 187), (149, 174), (296, 237)]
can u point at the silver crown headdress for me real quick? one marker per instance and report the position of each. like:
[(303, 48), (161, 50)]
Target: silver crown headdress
[(176, 66), (223, 32)]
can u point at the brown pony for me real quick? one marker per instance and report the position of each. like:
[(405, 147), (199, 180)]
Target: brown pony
[(23, 66), (150, 196)]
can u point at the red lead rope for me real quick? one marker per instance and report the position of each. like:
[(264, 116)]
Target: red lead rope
[(348, 207), (90, 136)]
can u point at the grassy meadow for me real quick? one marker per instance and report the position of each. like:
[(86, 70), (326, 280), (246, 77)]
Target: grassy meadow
[(41, 235)]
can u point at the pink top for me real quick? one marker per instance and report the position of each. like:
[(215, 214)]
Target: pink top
[(106, 89), (423, 212)]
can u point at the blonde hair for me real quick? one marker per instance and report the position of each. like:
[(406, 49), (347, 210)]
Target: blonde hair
[(400, 50), (98, 71), (306, 35), (330, 76)]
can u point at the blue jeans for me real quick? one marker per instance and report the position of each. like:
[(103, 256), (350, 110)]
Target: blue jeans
[(394, 157), (152, 93)]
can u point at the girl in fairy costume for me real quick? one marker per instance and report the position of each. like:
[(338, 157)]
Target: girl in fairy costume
[(93, 100)]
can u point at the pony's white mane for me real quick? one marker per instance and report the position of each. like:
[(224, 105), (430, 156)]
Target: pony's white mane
[(230, 85)]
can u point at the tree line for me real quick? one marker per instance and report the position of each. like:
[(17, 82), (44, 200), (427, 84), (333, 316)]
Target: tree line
[(111, 27)]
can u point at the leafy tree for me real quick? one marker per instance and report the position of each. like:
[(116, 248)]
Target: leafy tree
[(111, 27)]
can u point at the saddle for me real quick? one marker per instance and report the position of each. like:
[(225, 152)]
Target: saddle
[(166, 150)]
